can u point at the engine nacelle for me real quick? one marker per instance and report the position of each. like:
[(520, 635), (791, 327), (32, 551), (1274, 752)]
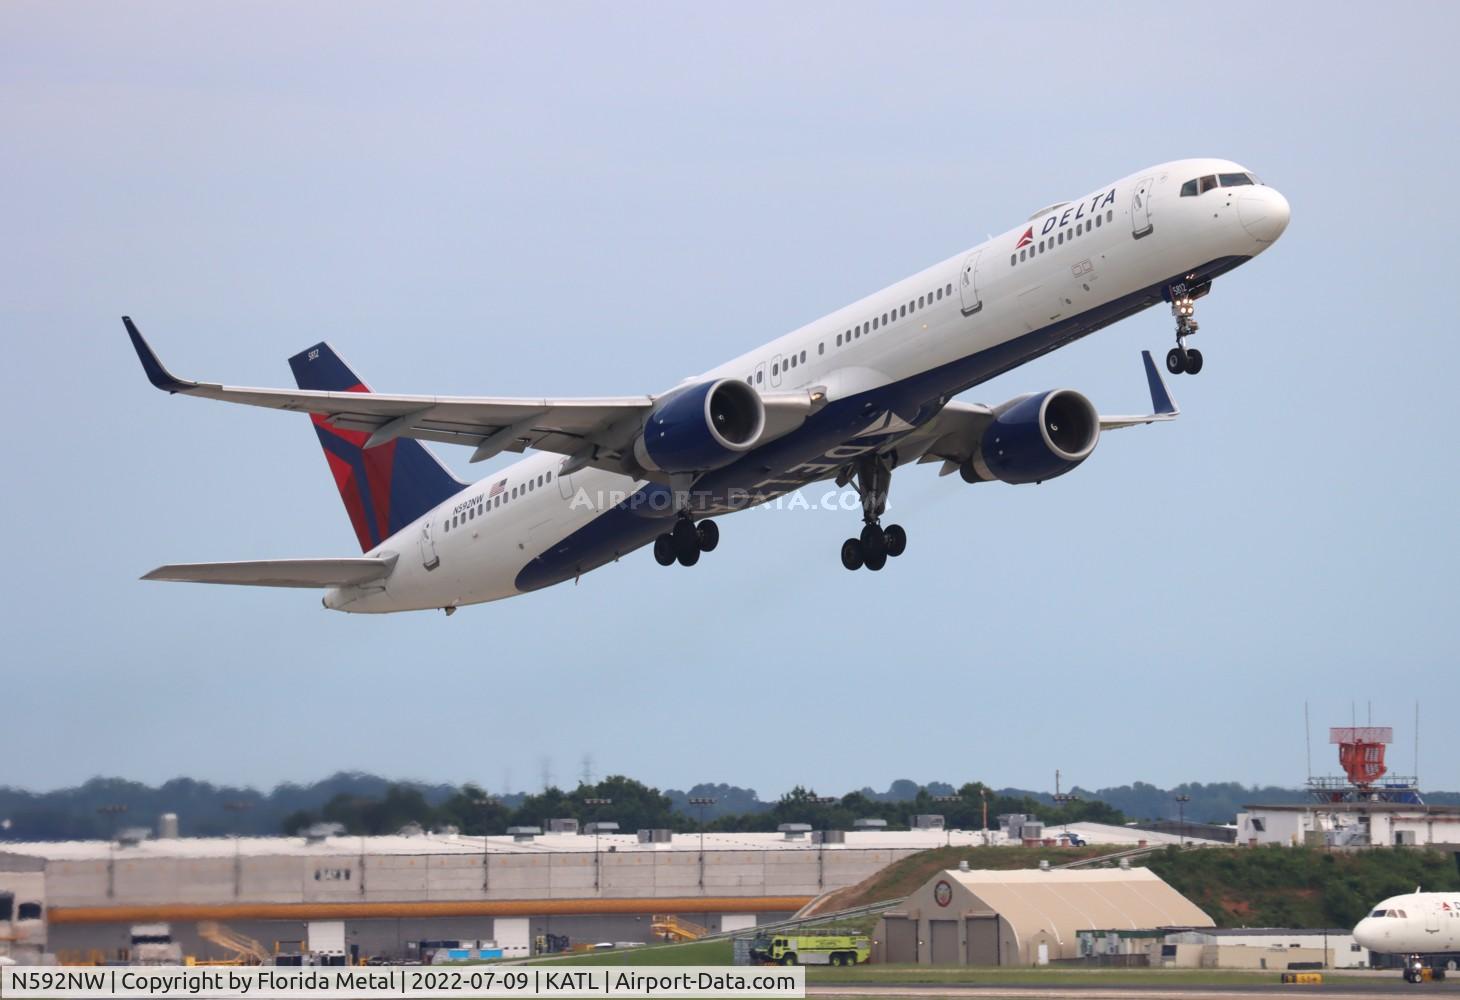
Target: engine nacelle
[(701, 427), (1036, 438)]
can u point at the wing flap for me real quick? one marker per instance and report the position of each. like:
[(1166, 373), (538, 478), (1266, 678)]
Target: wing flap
[(344, 572)]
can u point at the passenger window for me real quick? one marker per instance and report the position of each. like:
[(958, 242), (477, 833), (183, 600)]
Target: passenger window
[(902, 311), (1110, 215), (920, 301), (1013, 258), (803, 357), (940, 294), (550, 471), (884, 318), (775, 369), (950, 288), (1097, 222), (760, 376), (874, 322), (821, 347)]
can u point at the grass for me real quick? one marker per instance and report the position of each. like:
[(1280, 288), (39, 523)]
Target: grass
[(1049, 976), (690, 953)]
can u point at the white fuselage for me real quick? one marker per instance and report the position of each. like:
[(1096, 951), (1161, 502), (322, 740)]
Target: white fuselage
[(1420, 923), (1101, 255)]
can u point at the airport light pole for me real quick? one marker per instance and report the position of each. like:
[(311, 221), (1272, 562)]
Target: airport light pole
[(484, 802), (822, 800), (596, 803), (1181, 801), (237, 807), (1063, 799), (700, 802), (947, 831), (112, 810)]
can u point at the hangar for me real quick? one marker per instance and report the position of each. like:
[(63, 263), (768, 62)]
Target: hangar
[(1025, 917)]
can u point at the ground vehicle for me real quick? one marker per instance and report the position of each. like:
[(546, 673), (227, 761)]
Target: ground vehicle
[(811, 949)]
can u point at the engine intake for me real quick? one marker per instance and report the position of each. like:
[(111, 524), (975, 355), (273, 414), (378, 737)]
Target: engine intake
[(1036, 438), (701, 427)]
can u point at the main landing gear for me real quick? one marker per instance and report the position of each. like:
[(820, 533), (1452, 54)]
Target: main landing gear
[(1182, 358), (685, 541), (876, 544)]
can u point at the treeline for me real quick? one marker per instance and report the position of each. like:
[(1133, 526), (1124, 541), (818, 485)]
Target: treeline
[(1301, 887), (364, 803)]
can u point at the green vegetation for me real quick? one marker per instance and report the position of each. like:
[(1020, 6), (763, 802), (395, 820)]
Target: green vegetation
[(906, 875), (1047, 976), (691, 953), (1237, 887), (1300, 886)]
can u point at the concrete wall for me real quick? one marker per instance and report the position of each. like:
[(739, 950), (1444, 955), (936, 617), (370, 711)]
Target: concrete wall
[(330, 878)]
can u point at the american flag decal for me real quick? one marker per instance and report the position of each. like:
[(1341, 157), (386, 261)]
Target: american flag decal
[(497, 487)]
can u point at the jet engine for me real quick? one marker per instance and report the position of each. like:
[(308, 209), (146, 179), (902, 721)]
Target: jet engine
[(1035, 438), (701, 427)]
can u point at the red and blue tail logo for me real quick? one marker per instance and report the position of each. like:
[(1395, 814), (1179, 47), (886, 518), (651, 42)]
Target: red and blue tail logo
[(386, 487)]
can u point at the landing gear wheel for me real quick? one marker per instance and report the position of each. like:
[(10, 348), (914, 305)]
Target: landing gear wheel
[(874, 543), (875, 560), (709, 535), (852, 554), (664, 550), (1176, 361), (686, 542), (896, 539), (1193, 361)]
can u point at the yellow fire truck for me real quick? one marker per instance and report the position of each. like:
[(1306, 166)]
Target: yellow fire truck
[(811, 949)]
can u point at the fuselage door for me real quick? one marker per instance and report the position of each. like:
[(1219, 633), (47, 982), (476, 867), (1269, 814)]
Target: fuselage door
[(968, 284), (1140, 208), (429, 558), (565, 486)]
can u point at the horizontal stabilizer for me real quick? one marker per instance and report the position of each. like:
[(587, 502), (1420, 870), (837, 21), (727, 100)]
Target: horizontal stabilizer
[(279, 572)]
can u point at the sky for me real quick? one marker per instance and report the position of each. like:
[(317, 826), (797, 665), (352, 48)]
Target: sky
[(573, 199)]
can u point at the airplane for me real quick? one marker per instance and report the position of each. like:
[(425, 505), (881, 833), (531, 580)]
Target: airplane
[(1419, 926), (847, 398)]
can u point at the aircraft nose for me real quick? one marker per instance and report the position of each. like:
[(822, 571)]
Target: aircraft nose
[(1264, 213)]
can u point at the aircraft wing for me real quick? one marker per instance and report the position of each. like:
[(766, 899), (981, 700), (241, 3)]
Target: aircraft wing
[(279, 572), (1163, 407), (590, 431), (954, 434)]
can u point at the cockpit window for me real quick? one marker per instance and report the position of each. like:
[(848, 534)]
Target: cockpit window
[(1380, 913), (1234, 180), (1198, 185)]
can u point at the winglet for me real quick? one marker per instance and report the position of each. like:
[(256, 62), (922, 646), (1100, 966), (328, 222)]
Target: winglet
[(152, 365), (1161, 401)]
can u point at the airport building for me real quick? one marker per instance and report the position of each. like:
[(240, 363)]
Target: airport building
[(1025, 917), (1350, 824), (84, 900)]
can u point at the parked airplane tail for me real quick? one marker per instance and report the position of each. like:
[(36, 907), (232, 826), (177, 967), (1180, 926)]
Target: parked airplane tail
[(385, 487)]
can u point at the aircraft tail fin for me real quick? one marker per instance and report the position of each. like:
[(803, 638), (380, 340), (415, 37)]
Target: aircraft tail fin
[(385, 487)]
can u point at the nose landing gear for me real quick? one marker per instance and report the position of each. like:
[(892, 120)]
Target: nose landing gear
[(876, 544), (1182, 358)]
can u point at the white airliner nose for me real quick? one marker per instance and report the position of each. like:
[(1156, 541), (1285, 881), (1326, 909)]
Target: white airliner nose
[(1264, 213)]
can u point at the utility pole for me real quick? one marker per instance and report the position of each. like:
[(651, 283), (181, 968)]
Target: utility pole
[(596, 803), (822, 800), (1063, 800), (1181, 801), (484, 803), (112, 810), (700, 802), (237, 807)]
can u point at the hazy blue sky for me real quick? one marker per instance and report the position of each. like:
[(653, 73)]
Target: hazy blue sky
[(562, 199)]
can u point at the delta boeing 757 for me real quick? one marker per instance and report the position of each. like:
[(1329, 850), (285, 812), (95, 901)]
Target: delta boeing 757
[(847, 398)]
